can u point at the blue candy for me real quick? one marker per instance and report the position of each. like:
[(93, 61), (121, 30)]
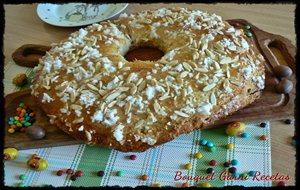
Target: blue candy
[(252, 173), (209, 144), (12, 119), (203, 142), (245, 135), (234, 162)]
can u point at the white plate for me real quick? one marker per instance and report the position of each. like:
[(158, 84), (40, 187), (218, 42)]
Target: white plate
[(77, 14)]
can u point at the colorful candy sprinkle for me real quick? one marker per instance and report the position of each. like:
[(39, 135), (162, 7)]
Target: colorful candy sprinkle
[(234, 162), (119, 173), (252, 173), (248, 27), (210, 170), (185, 184), (144, 177), (22, 177), (245, 135), (264, 137), (21, 184), (157, 185), (198, 155), (249, 34), (213, 162), (230, 146), (213, 149), (232, 170), (263, 125), (188, 166), (209, 144), (226, 164), (203, 142), (206, 184), (79, 173), (100, 173), (281, 183), (132, 157), (60, 173), (73, 177), (69, 171)]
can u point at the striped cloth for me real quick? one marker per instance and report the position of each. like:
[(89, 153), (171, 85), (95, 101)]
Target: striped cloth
[(161, 164)]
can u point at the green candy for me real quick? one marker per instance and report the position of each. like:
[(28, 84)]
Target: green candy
[(23, 122), (247, 27), (245, 176), (11, 122), (249, 34), (21, 105), (27, 124), (212, 149), (22, 177), (119, 173), (21, 185), (15, 122)]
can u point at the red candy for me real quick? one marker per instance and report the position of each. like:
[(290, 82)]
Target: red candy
[(69, 171), (60, 172), (23, 130), (132, 157), (212, 162), (79, 173), (281, 183), (34, 156)]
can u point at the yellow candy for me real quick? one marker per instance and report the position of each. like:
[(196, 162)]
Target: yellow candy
[(188, 166), (10, 153), (235, 128), (229, 146), (19, 124), (157, 185), (11, 130), (37, 164), (206, 184), (16, 118), (198, 155)]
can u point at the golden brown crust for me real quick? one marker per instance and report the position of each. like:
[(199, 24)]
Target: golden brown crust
[(206, 74)]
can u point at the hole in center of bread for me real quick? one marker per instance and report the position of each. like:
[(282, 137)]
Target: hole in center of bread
[(144, 54)]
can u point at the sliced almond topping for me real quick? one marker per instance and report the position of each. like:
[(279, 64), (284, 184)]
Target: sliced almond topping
[(128, 107), (111, 104), (139, 124), (156, 107), (88, 135), (213, 99), (173, 73), (209, 87), (133, 90), (92, 87), (187, 66), (112, 96), (76, 107), (142, 86), (203, 70), (184, 74), (79, 120), (180, 113), (164, 97)]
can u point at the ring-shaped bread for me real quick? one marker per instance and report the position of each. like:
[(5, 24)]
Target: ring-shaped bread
[(87, 88)]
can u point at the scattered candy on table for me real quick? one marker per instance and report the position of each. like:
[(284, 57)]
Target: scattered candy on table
[(100, 173), (73, 177), (213, 149), (209, 144), (230, 146), (22, 177), (185, 184), (245, 135), (10, 153), (281, 183), (132, 157), (79, 173), (206, 184), (234, 162), (203, 142), (288, 121), (210, 170), (232, 170), (252, 173), (264, 137), (235, 128), (263, 125), (213, 162), (69, 171), (119, 173), (226, 164), (24, 118), (37, 164), (188, 166), (60, 173), (144, 177), (198, 155)]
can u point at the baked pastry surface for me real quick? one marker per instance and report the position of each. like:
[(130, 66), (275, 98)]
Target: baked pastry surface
[(89, 90)]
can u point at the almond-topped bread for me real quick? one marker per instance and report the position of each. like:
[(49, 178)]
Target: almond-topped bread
[(88, 89)]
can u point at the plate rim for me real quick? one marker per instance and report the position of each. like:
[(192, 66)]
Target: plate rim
[(38, 9)]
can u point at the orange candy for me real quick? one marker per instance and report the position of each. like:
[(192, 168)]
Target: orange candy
[(185, 185), (19, 109), (13, 126), (32, 114), (264, 137), (22, 119)]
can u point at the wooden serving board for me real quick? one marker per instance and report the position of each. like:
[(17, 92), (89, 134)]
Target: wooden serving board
[(271, 106)]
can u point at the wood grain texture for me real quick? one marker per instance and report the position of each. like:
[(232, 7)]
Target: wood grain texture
[(22, 26)]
